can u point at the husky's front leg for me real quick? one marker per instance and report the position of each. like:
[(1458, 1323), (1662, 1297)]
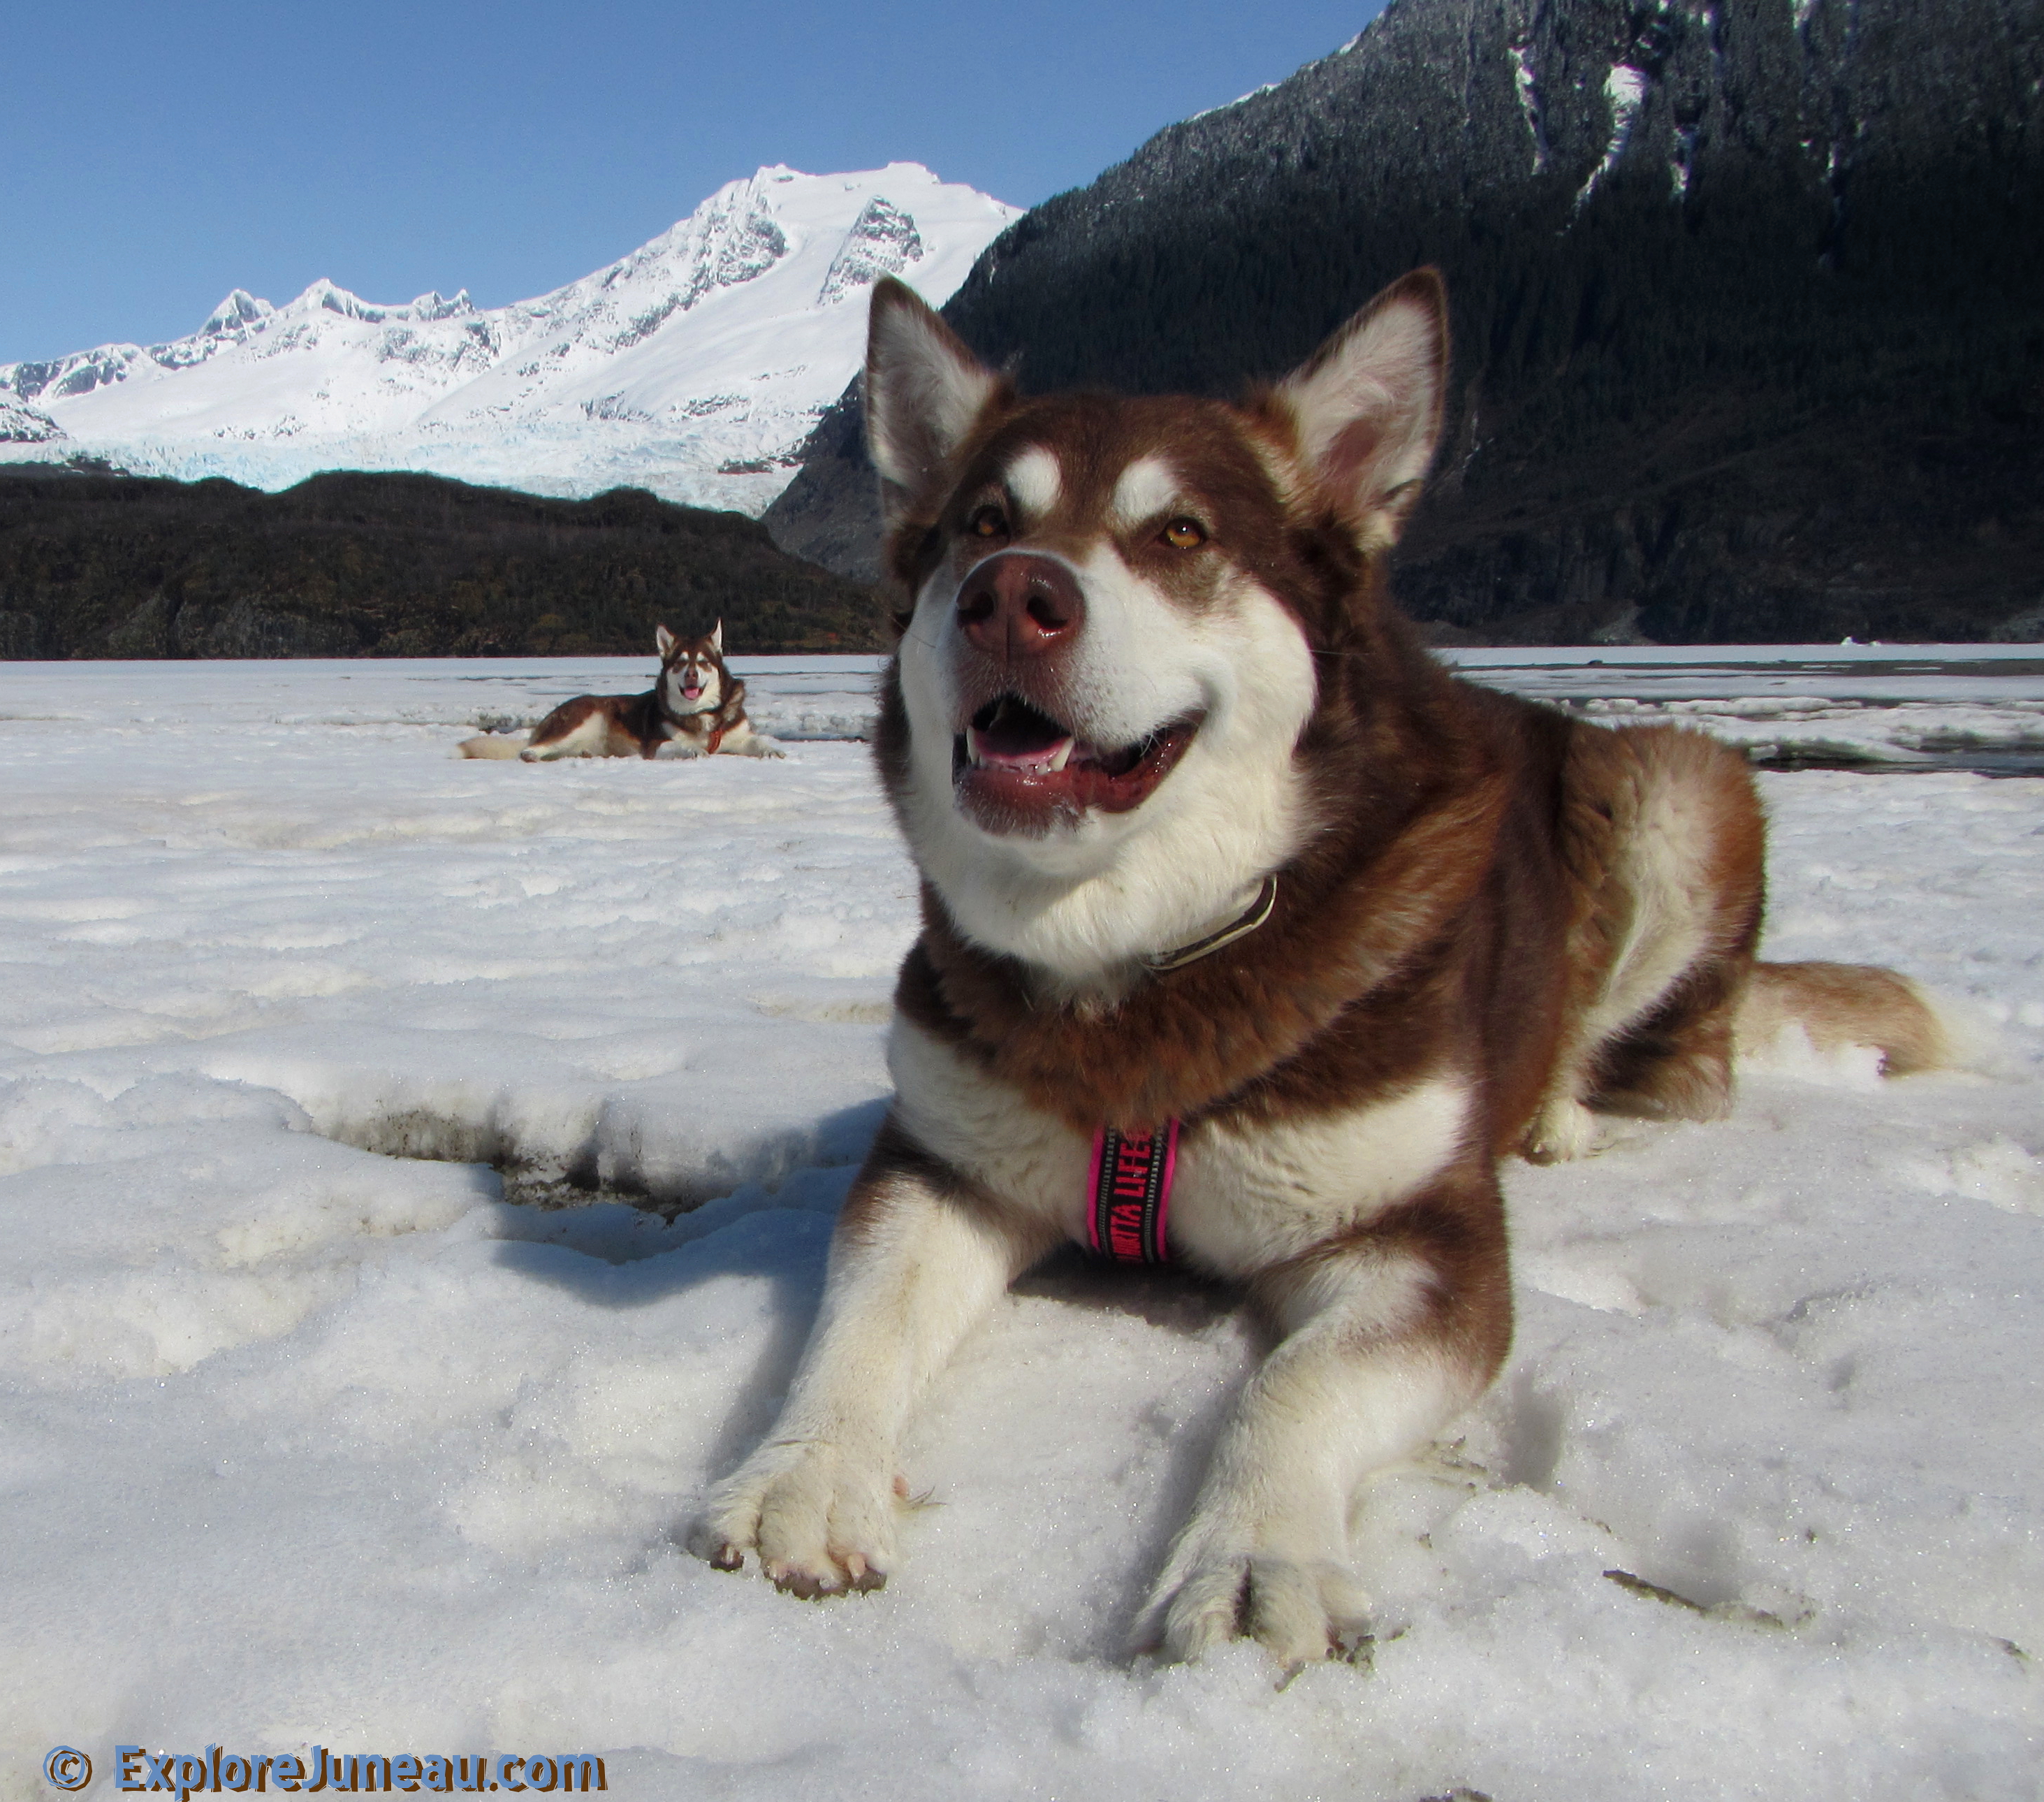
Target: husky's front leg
[(918, 1257), (1389, 1333)]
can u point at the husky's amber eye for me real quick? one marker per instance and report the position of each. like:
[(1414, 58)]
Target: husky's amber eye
[(1185, 534), (989, 522)]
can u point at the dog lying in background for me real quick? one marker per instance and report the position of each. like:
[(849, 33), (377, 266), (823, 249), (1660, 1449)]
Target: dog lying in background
[(695, 708), (1252, 937)]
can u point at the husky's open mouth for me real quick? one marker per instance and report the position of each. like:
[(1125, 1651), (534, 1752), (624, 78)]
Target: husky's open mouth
[(1017, 769)]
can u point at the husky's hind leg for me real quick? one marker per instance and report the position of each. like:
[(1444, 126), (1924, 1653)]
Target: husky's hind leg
[(1677, 1064), (1666, 835)]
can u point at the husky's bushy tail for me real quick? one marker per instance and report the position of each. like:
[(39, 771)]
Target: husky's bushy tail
[(1840, 1006), (493, 744)]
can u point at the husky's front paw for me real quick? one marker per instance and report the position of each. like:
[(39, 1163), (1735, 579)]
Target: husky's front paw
[(1299, 1610), (1564, 1130), (821, 1518)]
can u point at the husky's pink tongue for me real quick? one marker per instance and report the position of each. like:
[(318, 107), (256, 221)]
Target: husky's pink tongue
[(986, 751), (690, 691), (1019, 771), (1012, 735)]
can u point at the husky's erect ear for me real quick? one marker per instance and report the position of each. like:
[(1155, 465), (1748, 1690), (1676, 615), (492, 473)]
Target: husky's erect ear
[(716, 638), (666, 640), (924, 390), (1367, 407)]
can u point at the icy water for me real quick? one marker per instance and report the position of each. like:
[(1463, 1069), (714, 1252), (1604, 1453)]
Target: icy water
[(1876, 708)]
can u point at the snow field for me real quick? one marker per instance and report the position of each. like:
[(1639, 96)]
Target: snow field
[(307, 1439)]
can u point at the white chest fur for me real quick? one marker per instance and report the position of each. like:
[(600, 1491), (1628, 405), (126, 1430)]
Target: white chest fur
[(1246, 1195)]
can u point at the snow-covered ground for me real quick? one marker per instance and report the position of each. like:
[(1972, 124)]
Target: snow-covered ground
[(307, 1440), (694, 366)]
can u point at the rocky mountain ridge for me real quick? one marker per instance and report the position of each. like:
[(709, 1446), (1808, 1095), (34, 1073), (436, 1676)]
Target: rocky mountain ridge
[(1745, 302)]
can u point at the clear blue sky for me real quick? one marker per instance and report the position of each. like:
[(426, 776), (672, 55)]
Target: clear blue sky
[(154, 157)]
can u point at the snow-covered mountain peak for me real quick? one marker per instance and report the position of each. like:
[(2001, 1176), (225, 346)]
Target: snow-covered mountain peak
[(239, 310), (21, 423), (883, 240), (693, 366)]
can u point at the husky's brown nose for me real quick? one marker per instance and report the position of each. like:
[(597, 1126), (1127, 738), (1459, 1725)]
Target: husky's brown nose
[(1017, 604)]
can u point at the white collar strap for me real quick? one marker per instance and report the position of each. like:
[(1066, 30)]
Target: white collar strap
[(1240, 927)]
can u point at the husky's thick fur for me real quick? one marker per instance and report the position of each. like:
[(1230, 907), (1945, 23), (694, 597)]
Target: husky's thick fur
[(1151, 695), (695, 707)]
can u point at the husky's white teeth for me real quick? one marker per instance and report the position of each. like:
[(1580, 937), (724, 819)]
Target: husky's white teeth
[(1047, 762)]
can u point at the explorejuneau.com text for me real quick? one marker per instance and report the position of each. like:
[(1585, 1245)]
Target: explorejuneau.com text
[(188, 1773)]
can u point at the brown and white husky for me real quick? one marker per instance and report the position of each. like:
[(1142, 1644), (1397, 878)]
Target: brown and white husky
[(1251, 938), (695, 707)]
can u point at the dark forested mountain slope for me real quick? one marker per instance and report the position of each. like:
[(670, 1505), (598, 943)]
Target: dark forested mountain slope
[(97, 565), (1748, 298)]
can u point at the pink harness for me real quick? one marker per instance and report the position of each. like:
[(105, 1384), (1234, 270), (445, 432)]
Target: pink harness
[(1130, 1191), (1128, 1188)]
